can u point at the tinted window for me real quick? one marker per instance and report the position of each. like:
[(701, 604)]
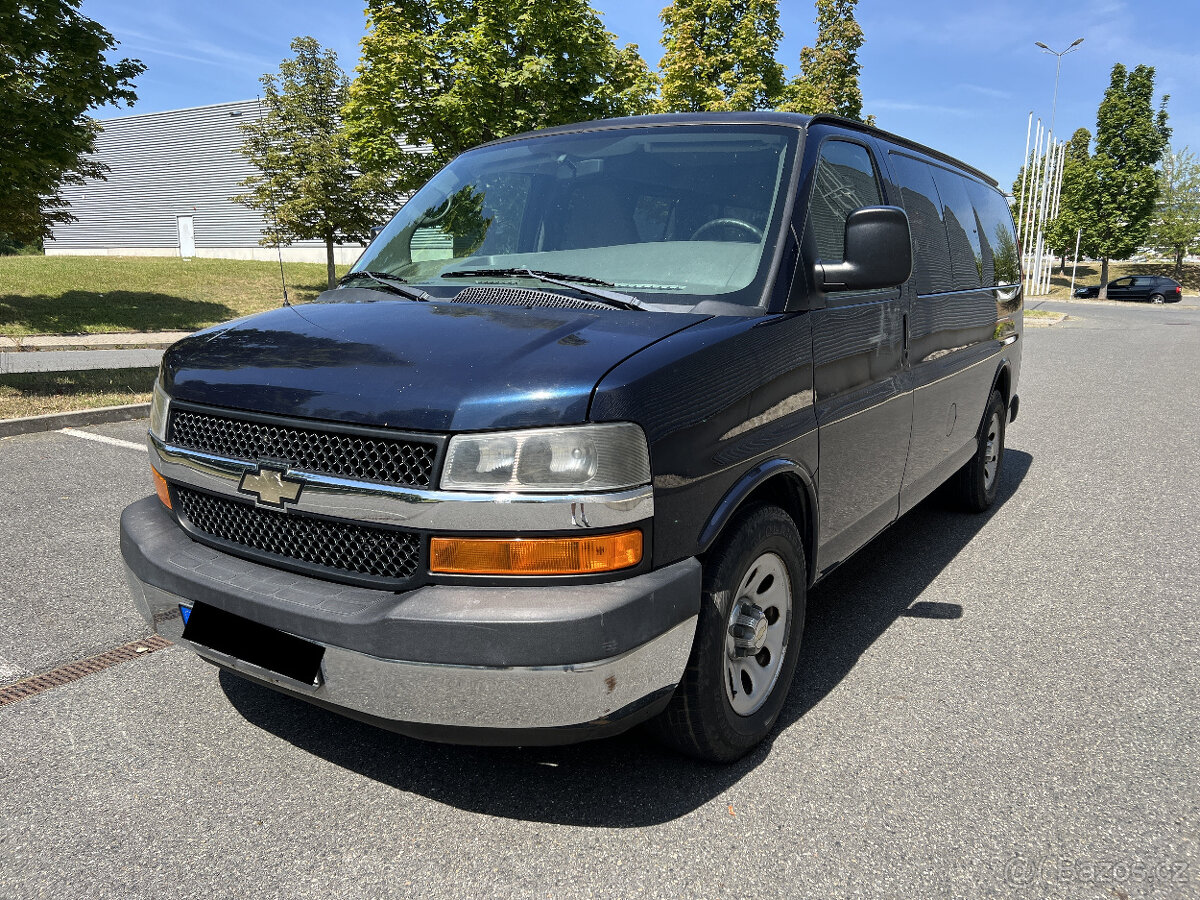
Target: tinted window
[(844, 181), (966, 253), (998, 238), (931, 253)]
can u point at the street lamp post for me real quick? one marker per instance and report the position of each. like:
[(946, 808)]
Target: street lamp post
[(1057, 69)]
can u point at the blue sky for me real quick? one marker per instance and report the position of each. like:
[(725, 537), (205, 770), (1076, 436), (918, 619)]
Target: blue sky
[(960, 76)]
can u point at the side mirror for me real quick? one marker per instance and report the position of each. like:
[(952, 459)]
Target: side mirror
[(376, 230), (878, 252)]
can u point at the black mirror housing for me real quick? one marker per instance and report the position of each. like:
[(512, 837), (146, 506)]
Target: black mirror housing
[(878, 252)]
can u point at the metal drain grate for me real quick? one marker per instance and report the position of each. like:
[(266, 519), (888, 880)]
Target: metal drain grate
[(73, 671)]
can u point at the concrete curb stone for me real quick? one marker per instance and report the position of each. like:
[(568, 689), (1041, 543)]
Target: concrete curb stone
[(55, 421)]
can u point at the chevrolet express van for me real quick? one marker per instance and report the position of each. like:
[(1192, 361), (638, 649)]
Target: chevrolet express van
[(571, 442)]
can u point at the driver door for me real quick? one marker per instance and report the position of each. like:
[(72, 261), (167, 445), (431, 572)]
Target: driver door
[(864, 408), (1121, 289)]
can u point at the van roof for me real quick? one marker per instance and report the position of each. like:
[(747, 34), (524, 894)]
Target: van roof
[(792, 120)]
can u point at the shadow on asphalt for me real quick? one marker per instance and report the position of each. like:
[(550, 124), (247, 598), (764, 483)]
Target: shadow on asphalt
[(629, 781)]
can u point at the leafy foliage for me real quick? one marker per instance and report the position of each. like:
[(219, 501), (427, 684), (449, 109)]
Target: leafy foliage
[(1072, 213), (1119, 194), (450, 74), (720, 55), (52, 71), (307, 184), (828, 80), (1176, 225)]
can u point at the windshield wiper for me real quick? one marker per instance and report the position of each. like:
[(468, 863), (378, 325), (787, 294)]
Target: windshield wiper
[(389, 282), (581, 283)]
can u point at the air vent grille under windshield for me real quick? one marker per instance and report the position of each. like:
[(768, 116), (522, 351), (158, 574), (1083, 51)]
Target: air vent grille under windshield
[(509, 296)]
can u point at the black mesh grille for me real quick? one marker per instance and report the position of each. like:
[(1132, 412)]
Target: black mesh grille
[(354, 549), (506, 296), (313, 449)]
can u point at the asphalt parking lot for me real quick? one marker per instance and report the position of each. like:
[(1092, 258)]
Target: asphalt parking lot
[(988, 706)]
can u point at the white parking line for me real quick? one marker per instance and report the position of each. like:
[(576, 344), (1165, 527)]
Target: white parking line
[(10, 671), (103, 439)]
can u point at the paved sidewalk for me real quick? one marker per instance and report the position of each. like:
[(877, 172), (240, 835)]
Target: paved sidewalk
[(77, 352), (120, 341), (77, 360)]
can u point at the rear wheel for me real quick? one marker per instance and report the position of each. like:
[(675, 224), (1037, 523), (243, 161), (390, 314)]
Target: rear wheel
[(1156, 298), (975, 484), (747, 640)]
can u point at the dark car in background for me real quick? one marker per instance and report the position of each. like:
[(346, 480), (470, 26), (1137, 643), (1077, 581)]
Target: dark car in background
[(1152, 288)]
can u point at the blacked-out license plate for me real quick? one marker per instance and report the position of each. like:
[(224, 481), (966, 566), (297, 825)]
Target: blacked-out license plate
[(263, 646)]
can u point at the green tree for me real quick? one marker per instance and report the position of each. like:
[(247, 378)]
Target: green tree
[(1121, 186), (828, 79), (1176, 225), (446, 75), (1072, 213), (720, 55), (307, 183), (52, 71)]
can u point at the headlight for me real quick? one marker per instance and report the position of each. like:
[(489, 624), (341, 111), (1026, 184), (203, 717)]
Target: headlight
[(549, 460), (160, 405)]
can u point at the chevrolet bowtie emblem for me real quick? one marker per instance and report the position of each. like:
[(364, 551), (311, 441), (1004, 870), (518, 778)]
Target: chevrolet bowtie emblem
[(270, 487)]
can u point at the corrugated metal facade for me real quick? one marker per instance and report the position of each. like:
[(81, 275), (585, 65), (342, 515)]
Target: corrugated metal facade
[(169, 164)]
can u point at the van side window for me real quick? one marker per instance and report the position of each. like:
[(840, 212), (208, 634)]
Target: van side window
[(931, 251), (996, 230), (966, 255), (845, 180)]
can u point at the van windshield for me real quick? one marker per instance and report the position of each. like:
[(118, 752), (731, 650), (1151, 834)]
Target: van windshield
[(673, 214)]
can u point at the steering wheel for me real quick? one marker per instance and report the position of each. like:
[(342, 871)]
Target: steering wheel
[(724, 223)]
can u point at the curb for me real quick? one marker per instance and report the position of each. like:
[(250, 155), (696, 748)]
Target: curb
[(55, 421), (1046, 322)]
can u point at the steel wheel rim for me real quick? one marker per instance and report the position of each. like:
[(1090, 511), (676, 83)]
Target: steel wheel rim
[(991, 458), (750, 679)]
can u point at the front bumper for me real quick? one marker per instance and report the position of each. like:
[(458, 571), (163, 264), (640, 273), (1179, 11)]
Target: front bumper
[(476, 664)]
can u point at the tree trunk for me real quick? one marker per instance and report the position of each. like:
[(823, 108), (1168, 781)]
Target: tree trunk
[(1179, 264), (1103, 295), (1063, 267), (331, 269)]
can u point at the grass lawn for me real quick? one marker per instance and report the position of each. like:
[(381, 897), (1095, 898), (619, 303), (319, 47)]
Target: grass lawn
[(99, 294), (37, 393), (1088, 273)]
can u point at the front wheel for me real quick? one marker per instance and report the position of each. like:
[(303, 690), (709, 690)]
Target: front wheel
[(747, 640), (976, 483)]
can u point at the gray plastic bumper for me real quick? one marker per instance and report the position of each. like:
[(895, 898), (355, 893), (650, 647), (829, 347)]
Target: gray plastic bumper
[(500, 658)]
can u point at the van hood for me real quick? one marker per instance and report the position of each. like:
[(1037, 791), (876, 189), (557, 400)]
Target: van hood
[(431, 366)]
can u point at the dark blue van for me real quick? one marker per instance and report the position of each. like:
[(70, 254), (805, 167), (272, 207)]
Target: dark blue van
[(568, 447)]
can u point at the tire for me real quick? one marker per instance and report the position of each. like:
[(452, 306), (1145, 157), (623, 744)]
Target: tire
[(1156, 298), (974, 485), (730, 696)]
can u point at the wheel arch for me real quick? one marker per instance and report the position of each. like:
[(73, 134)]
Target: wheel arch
[(1002, 381), (780, 482)]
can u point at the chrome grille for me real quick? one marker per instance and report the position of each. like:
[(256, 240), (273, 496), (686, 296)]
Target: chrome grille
[(328, 452), (353, 549)]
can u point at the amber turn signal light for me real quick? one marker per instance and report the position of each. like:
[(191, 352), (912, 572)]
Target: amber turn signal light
[(535, 556), (160, 487)]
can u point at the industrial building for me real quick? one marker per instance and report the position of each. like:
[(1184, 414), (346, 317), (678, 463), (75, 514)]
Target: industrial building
[(167, 193)]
